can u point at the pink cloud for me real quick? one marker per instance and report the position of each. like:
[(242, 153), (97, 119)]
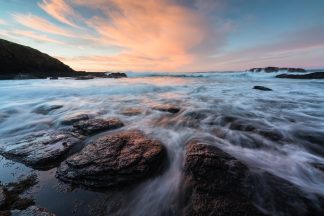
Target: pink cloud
[(60, 10), (169, 34)]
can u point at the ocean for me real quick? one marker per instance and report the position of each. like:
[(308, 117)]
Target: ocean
[(280, 132)]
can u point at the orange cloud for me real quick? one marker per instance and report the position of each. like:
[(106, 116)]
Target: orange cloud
[(167, 33), (60, 11), (149, 35)]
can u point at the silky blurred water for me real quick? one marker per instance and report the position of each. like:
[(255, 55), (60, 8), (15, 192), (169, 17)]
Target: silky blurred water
[(279, 131)]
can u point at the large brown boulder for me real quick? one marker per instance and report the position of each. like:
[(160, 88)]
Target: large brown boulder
[(213, 183), (117, 159)]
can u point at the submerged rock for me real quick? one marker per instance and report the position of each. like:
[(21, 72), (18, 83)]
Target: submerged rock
[(314, 75), (32, 211), (131, 111), (41, 150), (2, 196), (74, 118), (93, 126), (167, 108), (117, 159), (46, 109), (214, 183), (262, 88), (12, 195)]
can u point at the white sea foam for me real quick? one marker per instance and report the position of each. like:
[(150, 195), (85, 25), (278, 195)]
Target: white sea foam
[(294, 110)]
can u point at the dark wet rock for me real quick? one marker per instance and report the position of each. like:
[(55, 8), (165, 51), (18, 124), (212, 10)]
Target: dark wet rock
[(46, 109), (117, 159), (277, 196), (2, 196), (131, 111), (71, 119), (41, 150), (94, 126), (167, 108), (117, 75), (319, 166), (12, 195), (256, 127), (214, 183), (276, 69), (87, 77), (191, 119), (314, 75), (32, 211), (262, 88)]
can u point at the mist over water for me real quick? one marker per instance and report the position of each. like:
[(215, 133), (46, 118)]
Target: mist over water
[(280, 131)]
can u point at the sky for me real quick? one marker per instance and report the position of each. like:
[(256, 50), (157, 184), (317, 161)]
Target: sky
[(169, 35)]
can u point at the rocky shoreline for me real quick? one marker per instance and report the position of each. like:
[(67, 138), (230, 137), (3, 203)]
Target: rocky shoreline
[(213, 182)]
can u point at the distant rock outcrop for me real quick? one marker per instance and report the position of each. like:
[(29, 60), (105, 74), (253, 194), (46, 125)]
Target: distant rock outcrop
[(314, 75), (276, 69), (117, 75), (22, 62)]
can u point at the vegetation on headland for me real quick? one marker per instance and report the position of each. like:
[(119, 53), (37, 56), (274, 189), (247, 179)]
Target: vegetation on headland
[(23, 62)]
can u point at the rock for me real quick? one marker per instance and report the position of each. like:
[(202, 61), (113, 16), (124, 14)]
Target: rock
[(32, 211), (131, 111), (262, 88), (117, 75), (117, 159), (277, 69), (41, 150), (12, 191), (257, 127), (45, 109), (166, 108), (87, 77), (2, 197), (214, 182), (92, 126), (314, 75), (71, 119)]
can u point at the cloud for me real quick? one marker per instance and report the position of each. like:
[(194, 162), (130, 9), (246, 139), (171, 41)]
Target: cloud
[(41, 24), (2, 22), (297, 48), (170, 35), (60, 10)]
